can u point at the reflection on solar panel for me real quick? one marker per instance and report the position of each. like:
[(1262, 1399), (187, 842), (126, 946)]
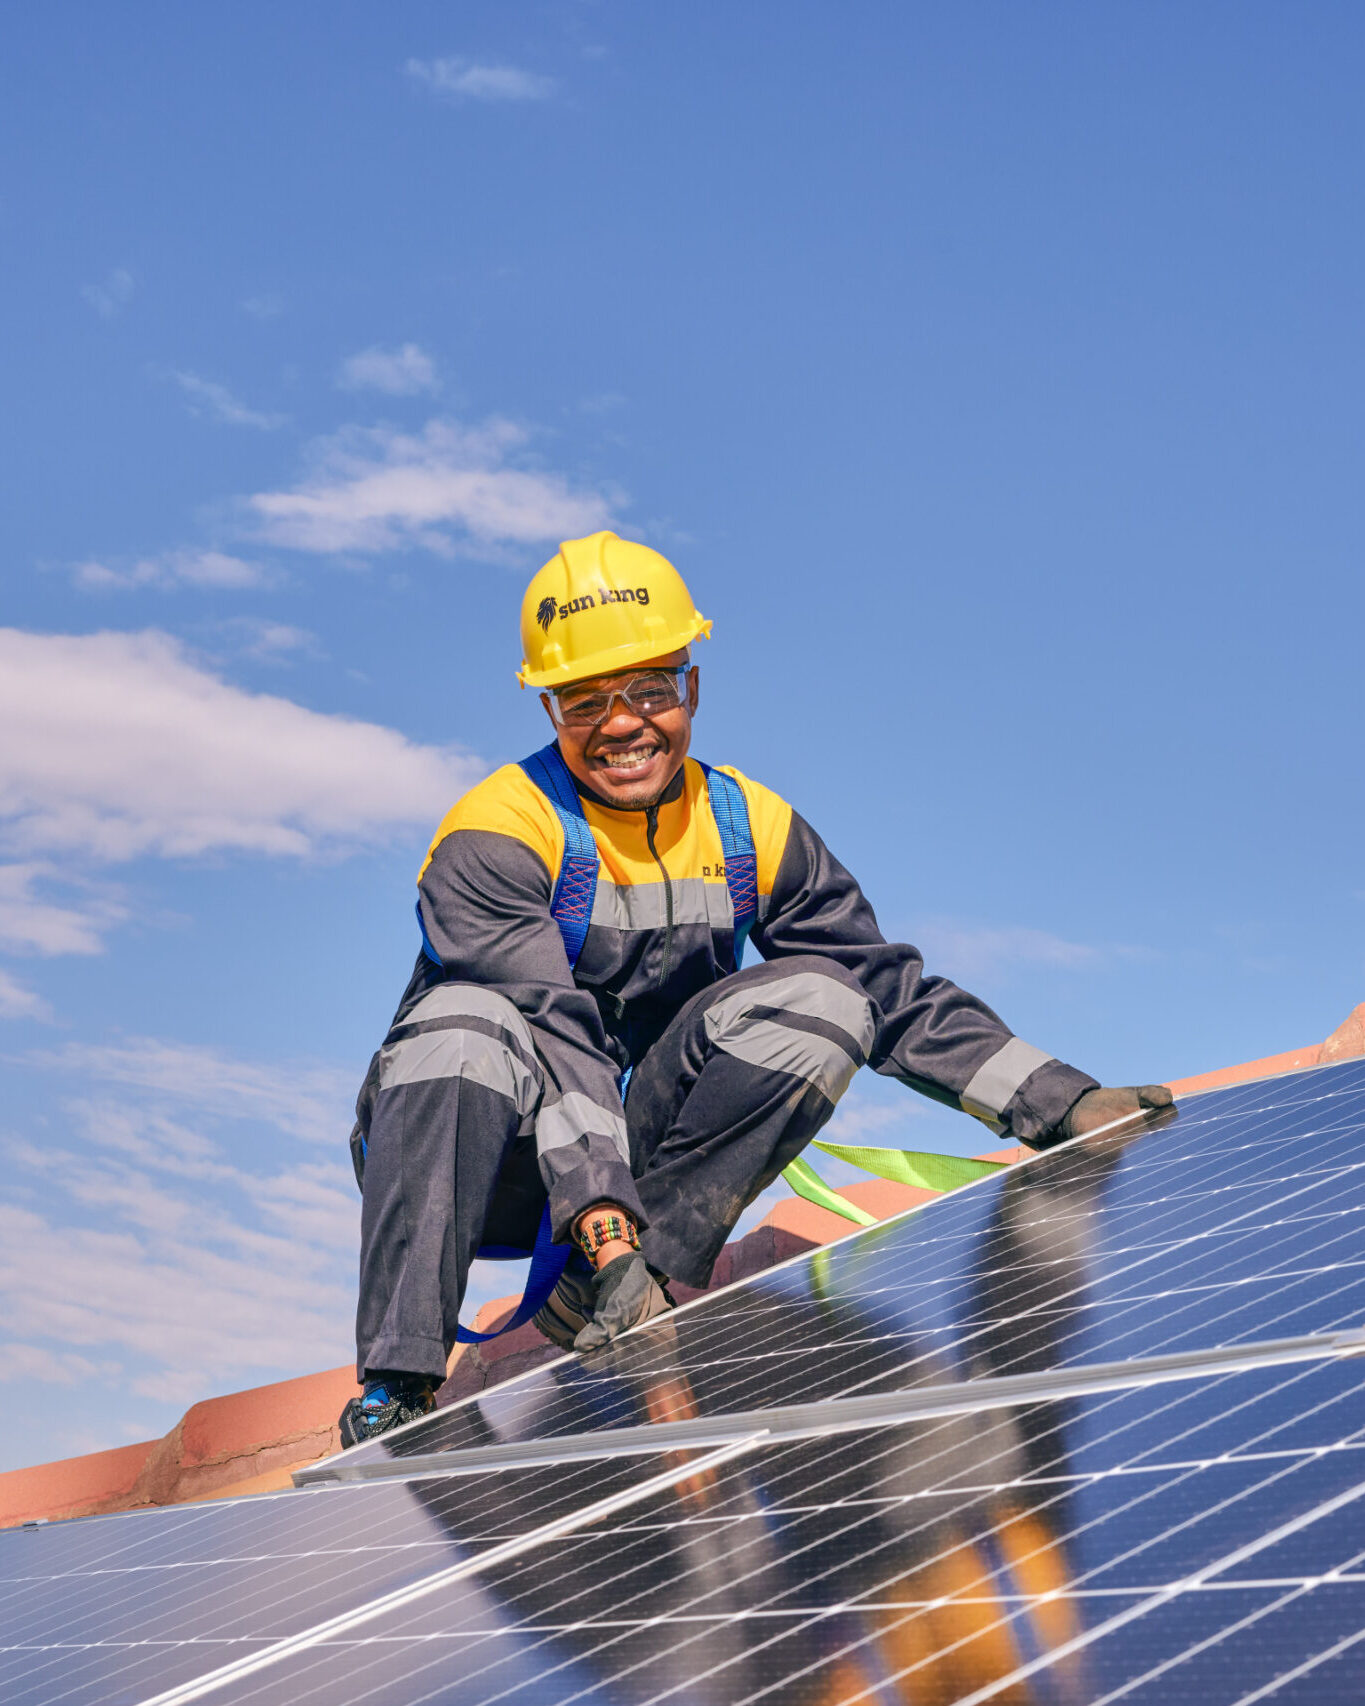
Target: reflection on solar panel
[(1092, 1430), (1240, 1221)]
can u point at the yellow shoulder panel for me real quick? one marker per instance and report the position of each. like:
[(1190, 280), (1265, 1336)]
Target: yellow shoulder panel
[(770, 818), (506, 803)]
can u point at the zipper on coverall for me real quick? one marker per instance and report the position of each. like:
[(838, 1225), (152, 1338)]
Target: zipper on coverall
[(651, 824)]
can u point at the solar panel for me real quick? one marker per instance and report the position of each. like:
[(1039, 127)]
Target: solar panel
[(1239, 1221), (1090, 1430), (119, 1608), (1151, 1542)]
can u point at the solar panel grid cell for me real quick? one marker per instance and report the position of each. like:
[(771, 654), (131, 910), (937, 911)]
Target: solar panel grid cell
[(927, 1562)]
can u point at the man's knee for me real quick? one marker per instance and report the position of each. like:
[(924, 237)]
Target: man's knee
[(806, 1016), (462, 1034)]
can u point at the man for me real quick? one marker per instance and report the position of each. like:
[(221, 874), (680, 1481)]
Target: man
[(582, 917)]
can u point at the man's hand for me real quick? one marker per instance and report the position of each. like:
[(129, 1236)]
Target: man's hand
[(1103, 1107), (624, 1294)]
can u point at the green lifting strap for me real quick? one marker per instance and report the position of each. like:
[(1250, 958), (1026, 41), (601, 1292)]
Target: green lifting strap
[(807, 1183), (901, 1166)]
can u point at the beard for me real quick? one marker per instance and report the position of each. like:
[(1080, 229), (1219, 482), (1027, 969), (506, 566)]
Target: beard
[(636, 796)]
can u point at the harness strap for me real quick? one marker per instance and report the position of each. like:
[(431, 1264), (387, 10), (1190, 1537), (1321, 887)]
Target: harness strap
[(576, 887), (547, 1264), (571, 909), (731, 812)]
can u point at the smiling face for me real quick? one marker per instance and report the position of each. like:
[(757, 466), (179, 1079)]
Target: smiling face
[(630, 759)]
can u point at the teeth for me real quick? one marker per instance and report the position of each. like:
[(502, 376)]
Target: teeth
[(631, 760)]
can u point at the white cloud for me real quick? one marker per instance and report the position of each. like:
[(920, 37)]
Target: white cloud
[(154, 1245), (16, 1002), (398, 372), (53, 1368), (36, 926), (112, 296), (121, 745), (860, 1120), (379, 490), (468, 80), (271, 642), (316, 1203), (309, 1101), (183, 1287), (263, 307), (207, 397), (964, 951), (174, 568)]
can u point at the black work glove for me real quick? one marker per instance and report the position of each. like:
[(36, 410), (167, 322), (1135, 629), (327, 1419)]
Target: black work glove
[(568, 1309), (1102, 1107), (624, 1294)]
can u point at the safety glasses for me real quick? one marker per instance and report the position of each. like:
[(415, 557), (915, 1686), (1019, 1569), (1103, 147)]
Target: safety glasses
[(588, 704)]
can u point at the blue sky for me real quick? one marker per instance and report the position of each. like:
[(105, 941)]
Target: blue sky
[(993, 373)]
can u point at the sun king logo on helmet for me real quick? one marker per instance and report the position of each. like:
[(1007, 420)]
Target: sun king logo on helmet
[(549, 608)]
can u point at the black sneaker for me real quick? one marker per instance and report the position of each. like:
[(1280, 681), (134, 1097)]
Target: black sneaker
[(387, 1402)]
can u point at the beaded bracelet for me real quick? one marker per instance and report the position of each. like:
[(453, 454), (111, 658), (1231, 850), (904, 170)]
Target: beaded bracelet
[(595, 1230)]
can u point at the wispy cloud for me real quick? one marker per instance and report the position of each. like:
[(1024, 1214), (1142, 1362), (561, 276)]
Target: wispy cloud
[(149, 1260), (168, 1239), (271, 642), (208, 399), (466, 79), (381, 490), (399, 372), (216, 569), (263, 307), (303, 1098), (963, 951), (52, 1368), (32, 925), (16, 1002), (122, 744), (112, 296)]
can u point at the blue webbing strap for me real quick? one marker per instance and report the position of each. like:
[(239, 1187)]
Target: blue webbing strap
[(571, 909), (547, 1264), (731, 812), (571, 903), (427, 948)]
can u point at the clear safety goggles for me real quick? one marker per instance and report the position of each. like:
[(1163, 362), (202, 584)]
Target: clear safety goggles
[(648, 693)]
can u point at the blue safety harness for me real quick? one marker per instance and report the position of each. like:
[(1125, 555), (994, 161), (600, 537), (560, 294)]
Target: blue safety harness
[(571, 909)]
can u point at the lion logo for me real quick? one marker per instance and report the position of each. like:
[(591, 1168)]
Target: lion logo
[(545, 614)]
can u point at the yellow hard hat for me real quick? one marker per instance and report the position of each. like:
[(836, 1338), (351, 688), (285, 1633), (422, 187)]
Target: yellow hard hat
[(602, 605)]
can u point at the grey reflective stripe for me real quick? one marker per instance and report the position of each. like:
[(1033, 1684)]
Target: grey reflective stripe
[(575, 1115), (765, 1041), (993, 1085), (456, 1053), (776, 1047), (640, 906), (818, 997), (468, 1000)]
